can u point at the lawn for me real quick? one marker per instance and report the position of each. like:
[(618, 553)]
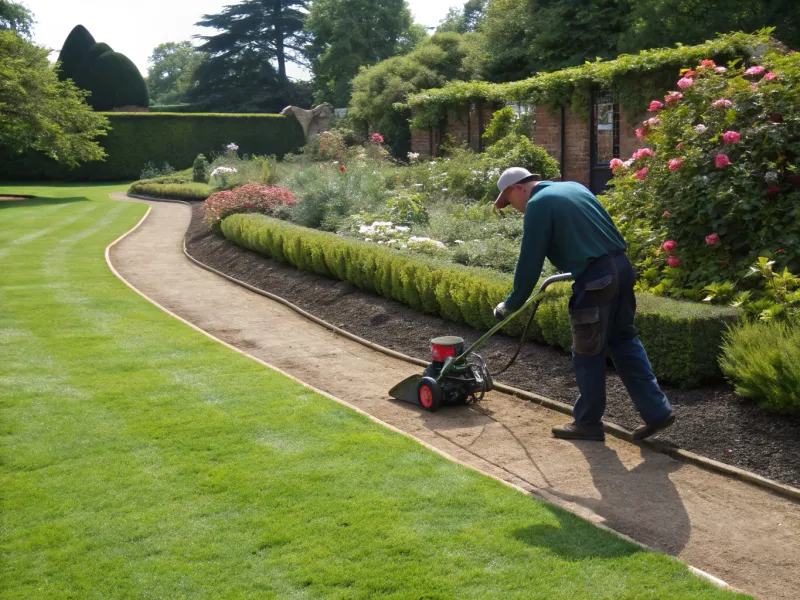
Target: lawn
[(139, 458)]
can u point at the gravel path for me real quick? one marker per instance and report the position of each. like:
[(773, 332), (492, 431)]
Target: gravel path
[(736, 531)]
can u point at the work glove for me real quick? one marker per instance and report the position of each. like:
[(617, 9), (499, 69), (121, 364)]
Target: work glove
[(501, 311)]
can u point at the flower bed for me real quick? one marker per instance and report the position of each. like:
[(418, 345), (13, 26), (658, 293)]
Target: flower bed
[(682, 339)]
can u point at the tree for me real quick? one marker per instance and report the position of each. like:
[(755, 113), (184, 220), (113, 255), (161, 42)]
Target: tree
[(349, 34), (463, 20), (172, 67), (78, 43), (15, 17), (116, 82), (39, 112)]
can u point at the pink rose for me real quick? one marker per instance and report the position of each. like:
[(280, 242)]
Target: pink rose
[(757, 70), (655, 106), (730, 137), (770, 76), (685, 82), (712, 239), (673, 98), (669, 246), (666, 213), (689, 73), (674, 164), (642, 152), (615, 162), (722, 102), (640, 133), (377, 138), (707, 64), (653, 121), (722, 161), (720, 69), (673, 262), (641, 174)]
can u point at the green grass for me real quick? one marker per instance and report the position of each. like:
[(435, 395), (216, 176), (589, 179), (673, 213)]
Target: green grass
[(139, 459)]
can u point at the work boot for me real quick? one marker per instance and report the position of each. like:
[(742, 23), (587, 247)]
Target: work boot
[(573, 431), (645, 431)]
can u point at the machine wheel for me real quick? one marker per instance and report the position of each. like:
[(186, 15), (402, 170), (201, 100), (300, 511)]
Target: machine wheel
[(429, 393)]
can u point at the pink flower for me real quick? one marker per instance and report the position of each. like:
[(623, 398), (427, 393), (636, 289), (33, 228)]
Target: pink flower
[(641, 153), (342, 169), (770, 76), (673, 262), (679, 146), (376, 137), (707, 64), (673, 97), (655, 106), (685, 82), (757, 70), (700, 128), (754, 86), (666, 213), (669, 246), (780, 251), (641, 174), (689, 73), (674, 164), (722, 161), (615, 162), (712, 239), (720, 69), (722, 102), (640, 133), (730, 137), (653, 121)]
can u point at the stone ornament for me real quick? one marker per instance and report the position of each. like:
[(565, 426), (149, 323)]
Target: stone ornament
[(313, 121)]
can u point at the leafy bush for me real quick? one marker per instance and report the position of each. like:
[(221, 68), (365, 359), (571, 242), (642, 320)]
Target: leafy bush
[(200, 169), (175, 191), (682, 339), (763, 363), (136, 138), (721, 185), (75, 47), (247, 199)]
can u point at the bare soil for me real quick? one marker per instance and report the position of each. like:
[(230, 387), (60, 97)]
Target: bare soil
[(711, 420)]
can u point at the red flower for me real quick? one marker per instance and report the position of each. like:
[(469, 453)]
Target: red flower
[(641, 174), (712, 239), (707, 64), (673, 262), (773, 191), (730, 137), (673, 98), (675, 164), (615, 162), (640, 133), (342, 169), (780, 251), (722, 161), (376, 137), (666, 214), (655, 106), (669, 246)]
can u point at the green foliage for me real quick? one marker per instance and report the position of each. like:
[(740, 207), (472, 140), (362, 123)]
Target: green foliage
[(117, 83), (84, 75), (501, 125), (349, 34), (516, 150), (718, 217), (136, 138), (172, 67), (40, 113), (463, 20), (200, 169), (175, 191), (762, 361), (78, 43), (634, 80), (682, 339), (16, 17)]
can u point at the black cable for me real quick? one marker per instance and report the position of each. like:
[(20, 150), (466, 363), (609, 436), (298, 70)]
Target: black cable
[(521, 341)]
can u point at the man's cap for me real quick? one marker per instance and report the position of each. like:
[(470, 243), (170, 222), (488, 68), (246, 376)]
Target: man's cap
[(511, 177)]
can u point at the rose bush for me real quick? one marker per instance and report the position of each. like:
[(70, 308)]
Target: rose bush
[(719, 183), (267, 200)]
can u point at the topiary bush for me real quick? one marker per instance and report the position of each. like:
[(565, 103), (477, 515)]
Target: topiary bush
[(200, 169), (763, 363), (116, 82), (720, 184), (84, 73), (682, 339), (78, 43)]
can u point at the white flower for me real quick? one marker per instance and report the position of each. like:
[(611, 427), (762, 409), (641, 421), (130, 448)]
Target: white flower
[(444, 189), (219, 170), (458, 241), (391, 242), (701, 128), (720, 69), (402, 228), (367, 239), (417, 184), (413, 156), (362, 155), (232, 146), (381, 223)]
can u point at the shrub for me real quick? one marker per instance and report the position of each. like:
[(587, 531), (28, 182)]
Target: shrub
[(682, 339), (175, 191), (762, 361), (720, 185), (136, 138), (200, 169), (116, 82), (516, 150), (84, 73), (75, 47), (247, 198)]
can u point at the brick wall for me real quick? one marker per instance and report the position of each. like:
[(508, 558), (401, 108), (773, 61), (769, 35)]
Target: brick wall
[(548, 130), (576, 152)]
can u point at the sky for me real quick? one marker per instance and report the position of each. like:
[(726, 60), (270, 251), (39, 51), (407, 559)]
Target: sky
[(136, 27)]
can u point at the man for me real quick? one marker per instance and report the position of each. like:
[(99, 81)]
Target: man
[(567, 224)]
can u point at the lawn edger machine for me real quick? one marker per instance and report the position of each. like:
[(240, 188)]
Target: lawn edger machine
[(458, 376)]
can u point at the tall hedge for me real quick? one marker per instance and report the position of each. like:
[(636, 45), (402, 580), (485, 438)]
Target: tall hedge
[(682, 339), (84, 73), (138, 138), (116, 82), (75, 47)]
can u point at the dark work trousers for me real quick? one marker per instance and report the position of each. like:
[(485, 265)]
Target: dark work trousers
[(601, 310)]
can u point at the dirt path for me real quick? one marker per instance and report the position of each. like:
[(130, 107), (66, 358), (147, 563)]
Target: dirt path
[(737, 532)]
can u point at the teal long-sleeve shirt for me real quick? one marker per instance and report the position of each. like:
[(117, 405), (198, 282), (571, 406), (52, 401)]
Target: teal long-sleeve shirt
[(567, 224)]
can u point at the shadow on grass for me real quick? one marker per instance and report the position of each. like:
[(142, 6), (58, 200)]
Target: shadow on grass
[(41, 201)]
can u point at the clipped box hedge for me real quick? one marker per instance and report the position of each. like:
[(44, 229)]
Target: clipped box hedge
[(138, 138), (682, 339)]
